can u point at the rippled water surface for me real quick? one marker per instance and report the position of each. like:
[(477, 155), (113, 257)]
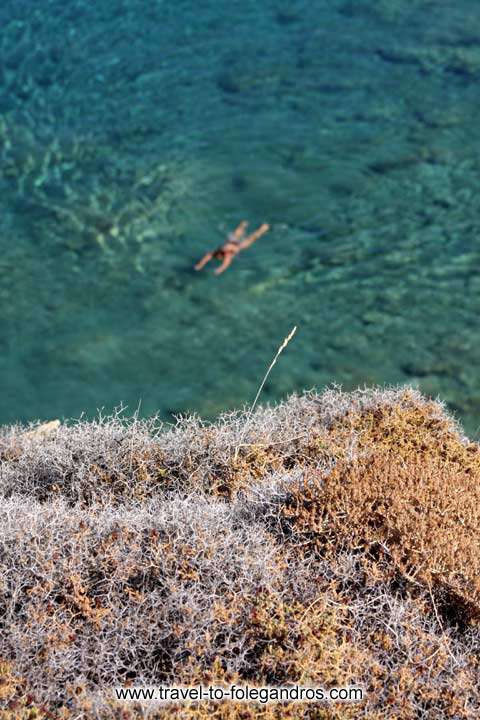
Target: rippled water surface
[(135, 134)]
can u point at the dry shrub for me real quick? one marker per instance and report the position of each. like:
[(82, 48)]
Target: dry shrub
[(141, 595), (411, 428), (301, 644), (424, 515), (333, 540), (117, 460)]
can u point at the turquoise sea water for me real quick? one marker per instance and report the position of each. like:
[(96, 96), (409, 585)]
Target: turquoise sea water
[(135, 134)]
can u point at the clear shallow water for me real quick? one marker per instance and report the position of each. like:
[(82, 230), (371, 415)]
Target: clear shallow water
[(135, 134)]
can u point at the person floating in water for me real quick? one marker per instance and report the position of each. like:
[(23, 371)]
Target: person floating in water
[(232, 246)]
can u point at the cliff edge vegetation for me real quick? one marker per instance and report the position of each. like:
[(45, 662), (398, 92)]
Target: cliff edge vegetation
[(332, 540)]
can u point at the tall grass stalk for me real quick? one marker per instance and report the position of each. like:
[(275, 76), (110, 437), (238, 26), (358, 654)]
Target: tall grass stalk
[(252, 407)]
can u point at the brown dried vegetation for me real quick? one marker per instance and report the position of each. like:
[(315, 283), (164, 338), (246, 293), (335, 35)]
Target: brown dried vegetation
[(334, 543)]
